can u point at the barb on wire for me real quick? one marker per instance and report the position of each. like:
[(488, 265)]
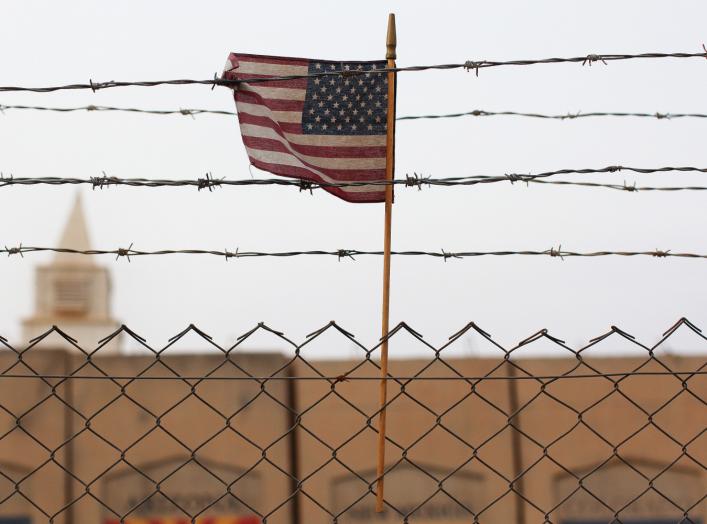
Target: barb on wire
[(345, 253), (475, 112), (208, 182), (123, 252), (468, 65), (410, 181)]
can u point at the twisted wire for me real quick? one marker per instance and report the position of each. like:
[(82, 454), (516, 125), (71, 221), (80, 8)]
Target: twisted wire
[(410, 181), (469, 65), (547, 116), (346, 253), (476, 112)]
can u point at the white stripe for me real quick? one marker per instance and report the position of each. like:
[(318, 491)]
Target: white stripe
[(261, 110), (277, 93), (285, 159), (259, 68), (290, 117), (326, 162)]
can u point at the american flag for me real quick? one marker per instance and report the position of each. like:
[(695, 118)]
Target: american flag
[(320, 128)]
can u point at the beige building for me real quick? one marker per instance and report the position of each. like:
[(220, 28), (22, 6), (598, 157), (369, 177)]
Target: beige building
[(234, 439)]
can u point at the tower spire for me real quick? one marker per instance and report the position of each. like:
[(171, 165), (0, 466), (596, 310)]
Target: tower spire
[(75, 236)]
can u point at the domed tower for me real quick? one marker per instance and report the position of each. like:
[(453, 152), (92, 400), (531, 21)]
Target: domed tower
[(73, 293)]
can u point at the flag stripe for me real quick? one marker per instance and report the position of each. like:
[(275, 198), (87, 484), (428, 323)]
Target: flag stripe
[(273, 104), (264, 59), (350, 194), (285, 127), (330, 174), (315, 149), (294, 83), (262, 68), (259, 110), (278, 93), (327, 162)]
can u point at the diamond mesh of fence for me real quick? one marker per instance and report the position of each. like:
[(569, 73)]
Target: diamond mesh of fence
[(534, 432)]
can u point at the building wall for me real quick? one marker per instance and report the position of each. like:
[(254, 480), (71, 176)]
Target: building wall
[(198, 437), (614, 432), (128, 435), (590, 430), (439, 451)]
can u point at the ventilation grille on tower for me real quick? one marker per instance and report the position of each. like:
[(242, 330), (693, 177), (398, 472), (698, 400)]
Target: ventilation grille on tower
[(71, 296)]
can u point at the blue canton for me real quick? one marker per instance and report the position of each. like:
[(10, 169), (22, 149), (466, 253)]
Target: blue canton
[(354, 104)]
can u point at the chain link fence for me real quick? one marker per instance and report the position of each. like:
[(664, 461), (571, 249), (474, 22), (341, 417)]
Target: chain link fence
[(613, 432)]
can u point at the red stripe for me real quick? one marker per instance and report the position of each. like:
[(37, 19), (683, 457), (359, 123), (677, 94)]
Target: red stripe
[(305, 174), (297, 60), (295, 83), (250, 97), (280, 127), (279, 60), (318, 151), (246, 118), (340, 175)]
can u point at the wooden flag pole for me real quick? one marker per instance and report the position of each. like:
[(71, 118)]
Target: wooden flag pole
[(390, 55)]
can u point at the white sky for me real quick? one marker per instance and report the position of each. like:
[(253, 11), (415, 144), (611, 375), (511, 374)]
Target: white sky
[(46, 42)]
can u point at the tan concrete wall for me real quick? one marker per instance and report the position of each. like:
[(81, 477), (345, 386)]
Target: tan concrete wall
[(614, 419), (195, 454), (32, 423), (440, 451), (471, 451), (545, 421)]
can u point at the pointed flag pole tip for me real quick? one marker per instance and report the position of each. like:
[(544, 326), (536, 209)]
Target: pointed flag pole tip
[(391, 41)]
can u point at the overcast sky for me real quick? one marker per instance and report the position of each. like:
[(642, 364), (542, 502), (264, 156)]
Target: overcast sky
[(47, 42)]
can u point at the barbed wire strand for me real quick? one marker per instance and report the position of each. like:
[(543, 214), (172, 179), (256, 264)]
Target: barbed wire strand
[(475, 112), (97, 109), (566, 116), (469, 65), (410, 181), (345, 253)]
